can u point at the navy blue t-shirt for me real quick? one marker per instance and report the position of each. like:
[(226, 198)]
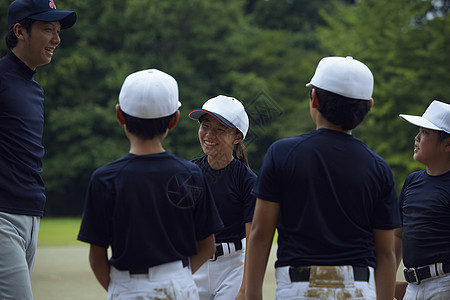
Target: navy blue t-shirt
[(333, 191), (231, 188), (425, 205), (21, 128), (151, 210)]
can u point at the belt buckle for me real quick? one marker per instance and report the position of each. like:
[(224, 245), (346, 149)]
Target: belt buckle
[(214, 257), (415, 275)]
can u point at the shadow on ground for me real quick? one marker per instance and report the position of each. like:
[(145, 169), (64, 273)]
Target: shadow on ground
[(63, 273)]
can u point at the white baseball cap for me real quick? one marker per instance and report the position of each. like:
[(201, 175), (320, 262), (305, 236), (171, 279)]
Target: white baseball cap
[(149, 94), (436, 117), (344, 76), (227, 110)]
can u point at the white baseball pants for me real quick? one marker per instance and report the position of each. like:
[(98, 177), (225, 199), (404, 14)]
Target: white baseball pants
[(221, 279), (436, 288), (167, 281), (346, 288)]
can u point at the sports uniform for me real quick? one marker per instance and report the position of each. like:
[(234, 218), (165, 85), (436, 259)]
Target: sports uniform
[(331, 198), (231, 184), (150, 209), (154, 209), (231, 188), (425, 203), (425, 208), (22, 197), (332, 190)]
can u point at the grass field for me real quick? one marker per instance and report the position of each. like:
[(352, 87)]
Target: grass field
[(56, 232)]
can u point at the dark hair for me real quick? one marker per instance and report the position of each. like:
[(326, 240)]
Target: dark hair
[(146, 128), (340, 110), (11, 38), (442, 135), (240, 153)]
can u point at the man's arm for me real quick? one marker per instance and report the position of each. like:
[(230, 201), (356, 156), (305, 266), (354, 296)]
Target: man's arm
[(98, 259), (259, 245), (386, 270), (205, 250)]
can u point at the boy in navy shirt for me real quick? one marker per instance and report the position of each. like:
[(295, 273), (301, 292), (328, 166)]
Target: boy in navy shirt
[(153, 209), (425, 208), (331, 198)]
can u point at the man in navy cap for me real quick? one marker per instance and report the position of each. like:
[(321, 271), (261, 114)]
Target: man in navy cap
[(33, 36)]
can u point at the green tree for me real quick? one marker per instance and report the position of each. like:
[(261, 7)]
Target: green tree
[(210, 47), (3, 25), (109, 41), (261, 52), (406, 48)]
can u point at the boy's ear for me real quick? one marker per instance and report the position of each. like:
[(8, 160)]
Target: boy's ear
[(119, 115), (314, 99), (174, 120)]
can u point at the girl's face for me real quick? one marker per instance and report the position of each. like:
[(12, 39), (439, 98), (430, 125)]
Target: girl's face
[(215, 138), (427, 147)]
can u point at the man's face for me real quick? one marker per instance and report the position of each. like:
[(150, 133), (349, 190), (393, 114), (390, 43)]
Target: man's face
[(40, 43)]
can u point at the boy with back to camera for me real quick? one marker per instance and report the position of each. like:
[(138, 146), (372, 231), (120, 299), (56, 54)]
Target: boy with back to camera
[(331, 198), (153, 209), (425, 208)]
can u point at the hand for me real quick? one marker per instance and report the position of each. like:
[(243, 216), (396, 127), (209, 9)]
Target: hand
[(400, 289)]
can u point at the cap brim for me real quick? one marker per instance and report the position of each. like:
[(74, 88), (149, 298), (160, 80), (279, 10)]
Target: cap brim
[(196, 114), (65, 18), (419, 121)]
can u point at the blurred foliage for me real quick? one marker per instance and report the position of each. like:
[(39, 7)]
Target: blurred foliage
[(406, 45), (262, 52)]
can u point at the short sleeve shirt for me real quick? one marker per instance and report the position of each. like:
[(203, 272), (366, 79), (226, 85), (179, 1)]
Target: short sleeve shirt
[(231, 188), (333, 191), (425, 207), (151, 209)]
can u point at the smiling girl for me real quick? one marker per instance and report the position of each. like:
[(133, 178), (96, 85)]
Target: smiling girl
[(223, 127)]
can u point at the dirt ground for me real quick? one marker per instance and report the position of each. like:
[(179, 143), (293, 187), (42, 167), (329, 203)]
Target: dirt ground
[(63, 273)]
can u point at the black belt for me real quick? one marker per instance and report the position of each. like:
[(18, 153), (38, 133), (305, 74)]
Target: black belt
[(145, 271), (302, 273), (220, 252), (416, 275)]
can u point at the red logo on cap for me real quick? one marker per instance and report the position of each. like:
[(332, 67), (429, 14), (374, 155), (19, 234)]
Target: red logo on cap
[(52, 4)]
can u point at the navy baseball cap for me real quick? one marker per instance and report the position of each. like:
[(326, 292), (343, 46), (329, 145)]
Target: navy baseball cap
[(40, 10)]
